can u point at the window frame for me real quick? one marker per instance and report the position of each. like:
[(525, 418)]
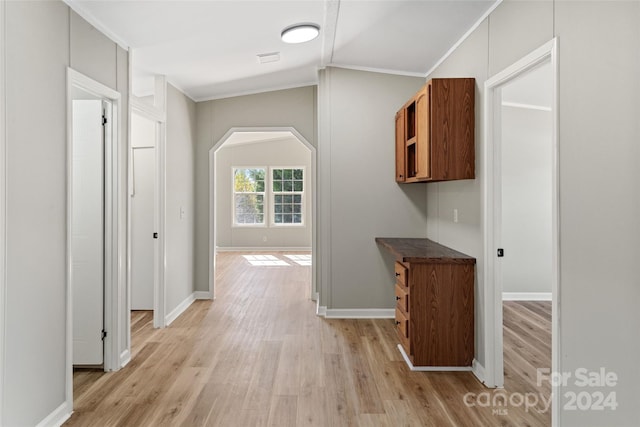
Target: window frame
[(272, 194), (264, 193)]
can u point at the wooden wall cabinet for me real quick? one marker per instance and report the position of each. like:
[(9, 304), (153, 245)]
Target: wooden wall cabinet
[(434, 294), (435, 133)]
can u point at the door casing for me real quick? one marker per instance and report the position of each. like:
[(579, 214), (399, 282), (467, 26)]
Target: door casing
[(115, 280), (494, 363), (158, 115)]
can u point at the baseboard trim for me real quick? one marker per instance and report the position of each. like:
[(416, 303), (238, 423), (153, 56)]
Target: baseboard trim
[(526, 296), (321, 310), (478, 370), (125, 358), (360, 313), (264, 249), (173, 315), (58, 417), (431, 368), (202, 295)]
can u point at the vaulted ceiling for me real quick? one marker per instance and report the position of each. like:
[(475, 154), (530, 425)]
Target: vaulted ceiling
[(208, 48)]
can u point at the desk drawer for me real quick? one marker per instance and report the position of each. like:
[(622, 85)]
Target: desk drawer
[(401, 274), (402, 298), (402, 327)]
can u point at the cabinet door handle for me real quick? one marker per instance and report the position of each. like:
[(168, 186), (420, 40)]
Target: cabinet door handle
[(398, 298), (397, 274), (397, 322)]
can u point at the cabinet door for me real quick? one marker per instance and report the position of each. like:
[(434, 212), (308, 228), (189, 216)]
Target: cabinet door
[(400, 147), (423, 132)]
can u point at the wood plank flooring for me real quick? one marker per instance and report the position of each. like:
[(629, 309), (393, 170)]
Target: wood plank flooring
[(259, 356)]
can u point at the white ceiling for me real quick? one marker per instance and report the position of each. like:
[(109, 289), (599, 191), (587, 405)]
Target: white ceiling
[(208, 48)]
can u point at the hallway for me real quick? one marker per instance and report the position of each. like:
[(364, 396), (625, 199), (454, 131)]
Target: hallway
[(259, 355)]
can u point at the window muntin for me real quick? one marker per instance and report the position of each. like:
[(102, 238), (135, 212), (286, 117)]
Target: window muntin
[(249, 190), (287, 185)]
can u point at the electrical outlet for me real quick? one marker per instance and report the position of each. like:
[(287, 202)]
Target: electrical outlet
[(455, 215)]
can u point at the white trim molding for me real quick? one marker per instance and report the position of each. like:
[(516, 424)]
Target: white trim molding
[(360, 313), (526, 296), (321, 310), (464, 37), (58, 417), (202, 295), (493, 295), (79, 8), (412, 367), (181, 308), (125, 358), (478, 370)]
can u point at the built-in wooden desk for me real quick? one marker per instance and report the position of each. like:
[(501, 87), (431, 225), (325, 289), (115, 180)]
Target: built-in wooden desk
[(434, 293)]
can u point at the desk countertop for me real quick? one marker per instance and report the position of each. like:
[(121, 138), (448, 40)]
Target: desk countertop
[(425, 251)]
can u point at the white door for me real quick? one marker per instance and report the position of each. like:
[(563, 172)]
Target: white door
[(87, 223), (143, 158)]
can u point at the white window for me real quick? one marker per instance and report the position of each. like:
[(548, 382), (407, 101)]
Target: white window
[(287, 188), (249, 196)]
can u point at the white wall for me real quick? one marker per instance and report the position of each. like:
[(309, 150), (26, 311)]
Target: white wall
[(284, 108), (526, 199), (359, 198), (179, 201), (279, 153), (41, 40), (599, 198)]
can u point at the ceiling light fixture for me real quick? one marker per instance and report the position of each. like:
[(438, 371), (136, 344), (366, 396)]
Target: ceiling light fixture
[(300, 33)]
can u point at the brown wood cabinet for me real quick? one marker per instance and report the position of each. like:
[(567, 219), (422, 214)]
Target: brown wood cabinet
[(435, 133), (434, 293)]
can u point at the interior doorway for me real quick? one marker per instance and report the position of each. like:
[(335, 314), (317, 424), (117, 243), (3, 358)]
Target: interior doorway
[(521, 203), (143, 204), (280, 212), (95, 233), (146, 214)]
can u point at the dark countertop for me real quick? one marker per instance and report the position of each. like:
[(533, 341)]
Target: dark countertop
[(414, 250)]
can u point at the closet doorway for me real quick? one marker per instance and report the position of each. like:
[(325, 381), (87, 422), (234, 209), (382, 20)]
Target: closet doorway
[(146, 214)]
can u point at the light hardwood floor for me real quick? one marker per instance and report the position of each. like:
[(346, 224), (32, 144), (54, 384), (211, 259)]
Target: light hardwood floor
[(259, 356)]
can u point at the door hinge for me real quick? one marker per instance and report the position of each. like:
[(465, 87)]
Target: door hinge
[(104, 334), (104, 120), (500, 253)]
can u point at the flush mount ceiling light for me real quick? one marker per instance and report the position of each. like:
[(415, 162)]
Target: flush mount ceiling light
[(300, 33)]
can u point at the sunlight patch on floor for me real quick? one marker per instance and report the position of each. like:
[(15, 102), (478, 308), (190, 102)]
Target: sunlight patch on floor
[(300, 259), (265, 260)]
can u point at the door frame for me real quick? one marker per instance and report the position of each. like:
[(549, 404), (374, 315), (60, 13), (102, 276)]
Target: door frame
[(494, 363), (159, 116), (212, 250), (115, 231)]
